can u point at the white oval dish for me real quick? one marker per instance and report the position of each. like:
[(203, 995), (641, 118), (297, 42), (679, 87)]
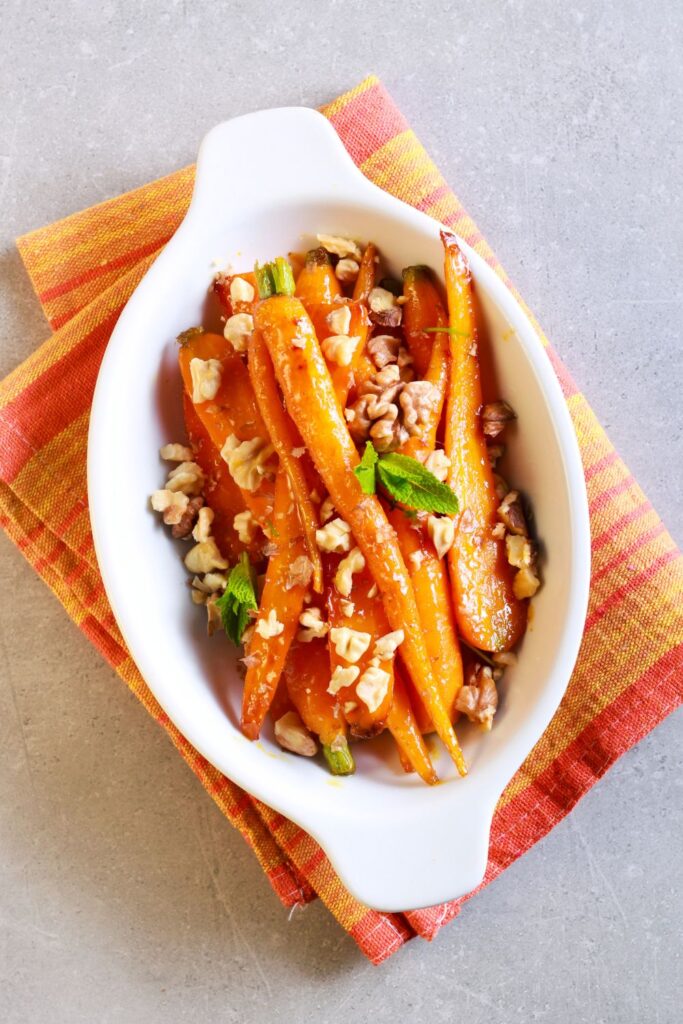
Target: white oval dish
[(265, 183)]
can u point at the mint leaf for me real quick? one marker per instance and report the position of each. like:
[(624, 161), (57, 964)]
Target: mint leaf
[(238, 599), (407, 481), (365, 471)]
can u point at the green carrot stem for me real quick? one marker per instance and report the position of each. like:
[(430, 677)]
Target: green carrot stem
[(340, 760)]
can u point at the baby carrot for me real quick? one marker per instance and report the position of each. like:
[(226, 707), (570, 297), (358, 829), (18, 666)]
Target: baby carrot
[(286, 439), (307, 676), (488, 614), (317, 281), (233, 410), (404, 728), (367, 274), (278, 614), (313, 405)]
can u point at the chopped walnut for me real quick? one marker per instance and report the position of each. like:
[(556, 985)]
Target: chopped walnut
[(182, 530), (418, 400), (339, 320), (313, 627), (176, 453), (349, 643), (247, 461), (211, 583), (521, 554), (339, 348), (292, 735), (479, 701), (347, 608), (384, 309), (495, 453), (372, 687), (206, 379), (441, 531), (437, 462), (186, 477), (334, 536), (205, 557), (525, 583), (343, 675), (338, 246), (387, 645), (171, 504), (202, 528), (354, 562), (383, 349), (245, 525), (500, 485), (511, 513), (495, 417), (241, 290), (347, 270), (269, 626), (238, 329), (213, 615), (326, 510), (299, 572)]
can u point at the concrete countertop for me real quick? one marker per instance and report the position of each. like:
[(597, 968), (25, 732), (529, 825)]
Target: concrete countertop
[(124, 895)]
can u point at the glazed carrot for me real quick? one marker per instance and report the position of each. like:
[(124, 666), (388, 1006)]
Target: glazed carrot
[(432, 591), (312, 404), (233, 410), (365, 614), (286, 439), (343, 375), (221, 493), (297, 260), (278, 614), (404, 728), (307, 677), (367, 274), (430, 352), (317, 281), (221, 288), (488, 614)]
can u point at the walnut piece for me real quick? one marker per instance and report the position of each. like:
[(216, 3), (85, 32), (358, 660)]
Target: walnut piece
[(341, 677), (172, 505), (384, 309), (495, 417), (269, 626), (183, 529), (338, 246), (334, 536), (437, 462), (202, 528), (176, 453), (343, 579), (238, 329), (389, 410), (245, 526), (441, 532), (418, 400), (292, 735), (347, 270), (204, 557), (313, 627), (372, 687), (511, 513), (213, 615), (479, 700), (339, 348), (386, 646), (349, 644), (339, 320), (383, 349), (247, 460), (186, 477), (241, 290), (206, 379)]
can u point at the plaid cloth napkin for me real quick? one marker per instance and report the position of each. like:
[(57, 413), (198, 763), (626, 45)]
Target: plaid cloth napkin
[(629, 670)]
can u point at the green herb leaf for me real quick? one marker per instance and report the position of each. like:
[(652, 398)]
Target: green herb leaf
[(366, 470), (238, 599), (409, 482)]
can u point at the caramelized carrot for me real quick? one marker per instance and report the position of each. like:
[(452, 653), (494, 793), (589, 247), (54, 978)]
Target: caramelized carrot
[(404, 728), (286, 440), (430, 582), (221, 288), (278, 614), (307, 676), (367, 274), (430, 351), (317, 281), (343, 375), (314, 407), (221, 492), (365, 614), (488, 614), (234, 410)]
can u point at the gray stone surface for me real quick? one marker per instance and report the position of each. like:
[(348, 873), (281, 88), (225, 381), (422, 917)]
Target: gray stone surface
[(124, 896)]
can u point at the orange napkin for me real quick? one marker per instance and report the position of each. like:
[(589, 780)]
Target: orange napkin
[(628, 675)]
